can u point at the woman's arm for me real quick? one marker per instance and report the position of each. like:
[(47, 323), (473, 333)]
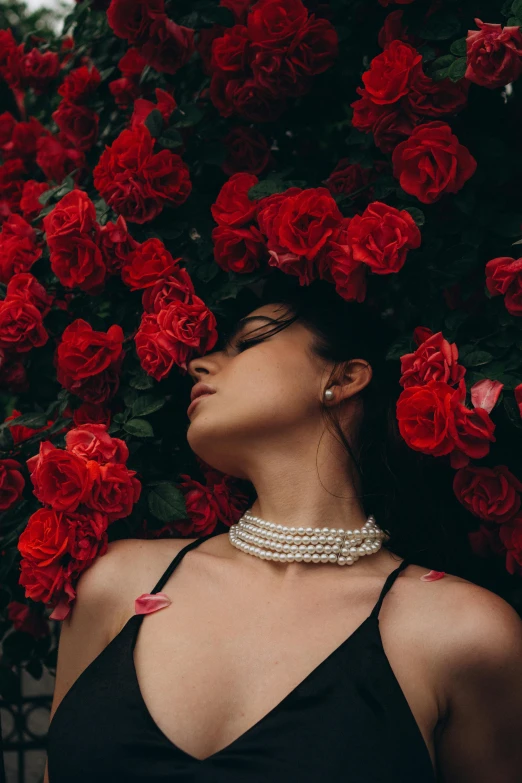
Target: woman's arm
[(481, 739)]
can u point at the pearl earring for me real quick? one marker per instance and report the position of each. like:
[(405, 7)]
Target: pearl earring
[(328, 394)]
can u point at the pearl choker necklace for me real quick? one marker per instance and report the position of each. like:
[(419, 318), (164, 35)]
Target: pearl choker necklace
[(269, 541)]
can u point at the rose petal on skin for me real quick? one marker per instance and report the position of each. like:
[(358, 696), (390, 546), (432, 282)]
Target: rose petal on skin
[(151, 602), (60, 611), (485, 393), (432, 576)]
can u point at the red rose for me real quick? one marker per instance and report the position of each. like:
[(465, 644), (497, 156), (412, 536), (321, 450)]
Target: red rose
[(33, 69), (137, 183), (245, 97), (247, 151), (238, 249), (202, 508), (273, 23), (79, 84), (7, 126), (116, 244), (238, 7), (177, 287), (432, 162), (60, 479), (230, 52), (314, 48), (29, 203), (21, 325), (74, 214), (50, 539), (434, 360), (388, 123), (494, 55), (12, 173), (57, 158), (382, 236), (25, 286), (154, 349), (510, 534), (77, 262), (23, 140), (337, 265), (488, 493), (12, 483), (124, 91), (132, 63), (166, 104), (173, 334), (18, 248), (394, 29), (131, 19), (433, 99), (168, 45), (303, 224), (504, 276), (93, 442), (423, 415), (115, 491), (26, 620), (232, 207), (268, 208), (83, 352), (471, 430), (147, 264), (91, 413), (78, 124), (348, 177), (392, 73)]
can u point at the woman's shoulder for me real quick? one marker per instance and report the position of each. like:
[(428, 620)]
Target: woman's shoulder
[(461, 626)]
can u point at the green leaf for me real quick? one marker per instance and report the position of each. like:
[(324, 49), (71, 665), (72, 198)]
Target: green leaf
[(154, 122), (442, 62), (476, 358), (34, 420), (459, 47), (516, 8), (141, 381), (514, 21), (458, 69), (266, 188), (170, 142), (146, 405), (166, 502), (512, 411), (417, 215), (140, 428), (186, 115), (400, 347), (440, 26)]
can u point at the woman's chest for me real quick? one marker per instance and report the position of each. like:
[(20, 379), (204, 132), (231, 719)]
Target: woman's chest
[(209, 675)]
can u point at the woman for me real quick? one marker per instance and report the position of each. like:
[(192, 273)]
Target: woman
[(261, 669)]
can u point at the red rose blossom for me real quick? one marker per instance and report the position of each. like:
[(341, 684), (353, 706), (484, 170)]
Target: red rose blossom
[(232, 207), (382, 236), (489, 493), (136, 182), (494, 54), (18, 247), (168, 45), (435, 359), (392, 73), (238, 249), (504, 276), (79, 84), (78, 124), (247, 151), (12, 483), (115, 490), (131, 19), (176, 287), (60, 479), (432, 162), (21, 325), (148, 263), (93, 442)]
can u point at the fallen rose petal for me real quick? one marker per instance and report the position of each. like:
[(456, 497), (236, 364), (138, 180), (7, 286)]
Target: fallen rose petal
[(432, 576), (151, 602), (61, 610), (485, 393)]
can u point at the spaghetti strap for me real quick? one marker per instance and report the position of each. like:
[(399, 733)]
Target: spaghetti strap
[(177, 559), (390, 579)]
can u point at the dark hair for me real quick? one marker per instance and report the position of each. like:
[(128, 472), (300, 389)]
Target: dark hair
[(400, 487)]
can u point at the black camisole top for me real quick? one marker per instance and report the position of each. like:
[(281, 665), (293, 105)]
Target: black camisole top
[(348, 721)]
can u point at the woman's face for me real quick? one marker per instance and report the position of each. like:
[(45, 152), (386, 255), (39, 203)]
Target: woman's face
[(267, 396)]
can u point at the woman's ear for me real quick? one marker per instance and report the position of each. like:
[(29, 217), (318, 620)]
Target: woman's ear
[(356, 375)]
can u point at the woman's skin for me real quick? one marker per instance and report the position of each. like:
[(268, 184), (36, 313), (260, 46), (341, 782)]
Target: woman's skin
[(253, 629)]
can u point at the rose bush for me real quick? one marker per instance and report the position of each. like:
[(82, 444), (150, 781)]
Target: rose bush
[(158, 163)]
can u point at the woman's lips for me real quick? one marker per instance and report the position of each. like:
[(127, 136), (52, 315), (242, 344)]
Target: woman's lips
[(189, 409)]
